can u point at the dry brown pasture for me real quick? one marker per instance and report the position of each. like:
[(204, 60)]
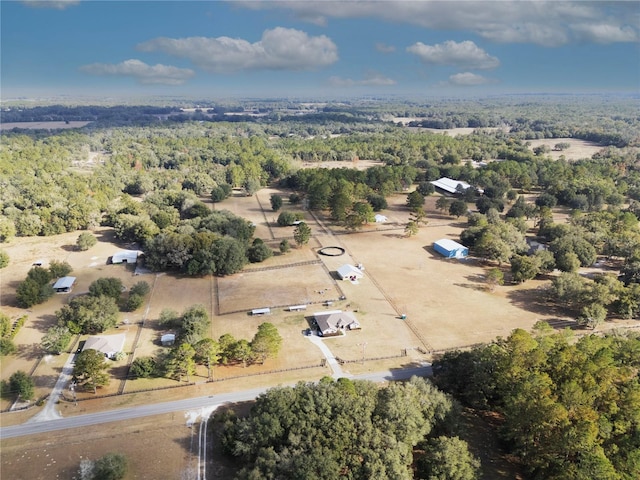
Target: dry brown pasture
[(445, 302), (578, 150)]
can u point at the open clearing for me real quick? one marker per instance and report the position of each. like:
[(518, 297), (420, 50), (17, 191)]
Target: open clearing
[(578, 150), (444, 300)]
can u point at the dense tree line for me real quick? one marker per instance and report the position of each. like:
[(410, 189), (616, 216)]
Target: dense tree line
[(570, 406), (350, 429)]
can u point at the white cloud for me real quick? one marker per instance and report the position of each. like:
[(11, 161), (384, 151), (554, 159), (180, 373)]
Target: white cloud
[(605, 33), (146, 74), (468, 79), (548, 23), (279, 49), (57, 4), (384, 48), (370, 79), (460, 54)]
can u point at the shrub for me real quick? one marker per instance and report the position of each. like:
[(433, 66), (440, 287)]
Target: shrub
[(85, 241)]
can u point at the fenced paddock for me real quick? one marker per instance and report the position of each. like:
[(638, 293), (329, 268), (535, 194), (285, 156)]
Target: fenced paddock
[(295, 285)]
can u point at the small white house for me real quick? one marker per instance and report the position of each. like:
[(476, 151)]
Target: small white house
[(109, 345), (64, 284), (125, 256), (349, 272), (380, 218)]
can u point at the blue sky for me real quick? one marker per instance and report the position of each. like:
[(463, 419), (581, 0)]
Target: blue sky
[(317, 48)]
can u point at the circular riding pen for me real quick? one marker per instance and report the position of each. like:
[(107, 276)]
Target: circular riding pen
[(331, 251)]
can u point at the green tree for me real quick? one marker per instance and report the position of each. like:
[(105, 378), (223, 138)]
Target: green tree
[(493, 278), (59, 269), (229, 255), (56, 339), (251, 185), (113, 466), (457, 208), (286, 218), (7, 229), (284, 246), (259, 251), (85, 241), (448, 458), (276, 202), (195, 324), (411, 229), (140, 288), (415, 200), (134, 302), (22, 385), (425, 188), (524, 267), (107, 286), (302, 234), (88, 314), (30, 293), (143, 367), (443, 204), (266, 342), (89, 369), (207, 353), (4, 259), (592, 315), (181, 362), (7, 347)]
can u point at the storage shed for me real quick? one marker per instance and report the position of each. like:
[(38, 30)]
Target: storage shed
[(64, 284), (261, 311), (450, 248)]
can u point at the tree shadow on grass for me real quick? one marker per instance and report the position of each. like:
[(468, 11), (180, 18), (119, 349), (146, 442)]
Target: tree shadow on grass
[(43, 322), (31, 351), (534, 300)]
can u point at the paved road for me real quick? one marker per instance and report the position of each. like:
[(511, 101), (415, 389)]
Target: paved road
[(186, 404)]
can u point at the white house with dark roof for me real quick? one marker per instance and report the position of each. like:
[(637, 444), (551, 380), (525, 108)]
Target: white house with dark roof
[(335, 322)]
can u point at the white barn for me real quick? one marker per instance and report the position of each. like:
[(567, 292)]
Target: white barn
[(380, 218), (449, 185), (349, 272), (125, 256)]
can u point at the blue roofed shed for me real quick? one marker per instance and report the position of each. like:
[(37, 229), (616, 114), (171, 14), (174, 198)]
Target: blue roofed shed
[(450, 248)]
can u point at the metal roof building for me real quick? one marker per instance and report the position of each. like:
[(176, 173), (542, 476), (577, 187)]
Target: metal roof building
[(450, 248), (64, 284), (449, 185)]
